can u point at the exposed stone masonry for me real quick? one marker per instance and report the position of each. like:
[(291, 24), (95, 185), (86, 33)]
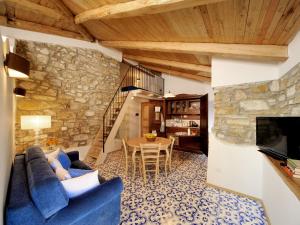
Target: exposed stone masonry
[(236, 107), (73, 85)]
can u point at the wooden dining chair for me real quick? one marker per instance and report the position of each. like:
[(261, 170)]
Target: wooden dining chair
[(166, 154), (164, 158), (150, 158), (128, 157)]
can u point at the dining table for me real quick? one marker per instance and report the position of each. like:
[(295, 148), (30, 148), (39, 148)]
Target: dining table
[(135, 143)]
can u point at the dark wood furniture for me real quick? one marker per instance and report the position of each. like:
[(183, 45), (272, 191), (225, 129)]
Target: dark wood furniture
[(204, 124), (191, 113), (182, 109)]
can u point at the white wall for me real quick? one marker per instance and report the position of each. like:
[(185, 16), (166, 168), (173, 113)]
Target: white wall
[(241, 168), (6, 131), (131, 124), (233, 71), (178, 85), (58, 40), (294, 56), (235, 167)]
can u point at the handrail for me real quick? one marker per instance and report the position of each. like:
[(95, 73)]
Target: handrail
[(136, 78)]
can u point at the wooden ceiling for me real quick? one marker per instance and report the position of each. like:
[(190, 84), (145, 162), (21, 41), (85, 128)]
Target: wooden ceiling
[(173, 36)]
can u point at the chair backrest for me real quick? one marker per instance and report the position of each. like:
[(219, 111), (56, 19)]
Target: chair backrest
[(172, 144), (150, 151)]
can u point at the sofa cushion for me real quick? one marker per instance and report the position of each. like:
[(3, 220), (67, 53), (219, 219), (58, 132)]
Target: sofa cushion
[(34, 152), (80, 185), (54, 163), (18, 198), (63, 158), (62, 174), (46, 190), (78, 172)]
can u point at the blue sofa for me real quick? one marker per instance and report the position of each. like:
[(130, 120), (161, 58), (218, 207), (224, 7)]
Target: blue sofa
[(36, 196)]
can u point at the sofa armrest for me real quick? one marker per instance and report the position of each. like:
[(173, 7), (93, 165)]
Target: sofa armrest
[(73, 155), (81, 206)]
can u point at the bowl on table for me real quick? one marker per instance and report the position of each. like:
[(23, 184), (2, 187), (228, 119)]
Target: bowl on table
[(150, 137)]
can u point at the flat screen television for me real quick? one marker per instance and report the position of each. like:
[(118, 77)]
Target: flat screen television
[(279, 136)]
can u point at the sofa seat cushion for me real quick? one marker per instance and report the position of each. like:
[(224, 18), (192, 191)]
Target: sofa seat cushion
[(78, 172), (46, 190)]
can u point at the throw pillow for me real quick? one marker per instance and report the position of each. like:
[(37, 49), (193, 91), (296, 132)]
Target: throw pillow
[(80, 185), (54, 163), (62, 174), (64, 159), (52, 154)]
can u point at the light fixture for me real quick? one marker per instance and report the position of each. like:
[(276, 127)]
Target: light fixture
[(20, 92), (169, 95), (35, 123), (17, 66)]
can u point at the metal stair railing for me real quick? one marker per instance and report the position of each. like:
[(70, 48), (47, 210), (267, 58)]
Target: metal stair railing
[(136, 78)]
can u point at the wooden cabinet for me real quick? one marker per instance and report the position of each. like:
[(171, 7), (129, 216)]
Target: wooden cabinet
[(187, 121), (185, 117)]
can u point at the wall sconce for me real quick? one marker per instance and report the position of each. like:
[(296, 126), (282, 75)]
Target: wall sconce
[(35, 123), (20, 92), (17, 66)]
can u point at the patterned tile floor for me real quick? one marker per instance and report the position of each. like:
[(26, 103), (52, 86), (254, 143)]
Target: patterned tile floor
[(180, 198)]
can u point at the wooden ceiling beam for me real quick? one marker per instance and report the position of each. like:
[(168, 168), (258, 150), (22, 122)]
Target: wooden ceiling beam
[(49, 13), (187, 66), (34, 8), (178, 73), (25, 25), (81, 29), (138, 8), (242, 51)]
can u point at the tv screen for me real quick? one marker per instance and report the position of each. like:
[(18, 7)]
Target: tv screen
[(279, 136)]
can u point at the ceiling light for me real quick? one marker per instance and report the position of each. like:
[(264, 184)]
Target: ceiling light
[(17, 66), (169, 95)]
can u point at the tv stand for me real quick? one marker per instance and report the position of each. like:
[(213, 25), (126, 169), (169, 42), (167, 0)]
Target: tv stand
[(292, 182)]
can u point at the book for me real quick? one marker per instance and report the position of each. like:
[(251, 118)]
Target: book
[(291, 166), (295, 163), (294, 171), (296, 176), (288, 171)]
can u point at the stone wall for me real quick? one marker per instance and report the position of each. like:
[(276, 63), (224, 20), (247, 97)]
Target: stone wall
[(236, 107), (73, 85)]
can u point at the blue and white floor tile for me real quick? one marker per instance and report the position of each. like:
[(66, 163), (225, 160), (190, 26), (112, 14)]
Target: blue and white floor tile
[(180, 198)]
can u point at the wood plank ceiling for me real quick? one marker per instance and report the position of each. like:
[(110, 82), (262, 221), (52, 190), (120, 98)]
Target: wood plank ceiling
[(146, 30)]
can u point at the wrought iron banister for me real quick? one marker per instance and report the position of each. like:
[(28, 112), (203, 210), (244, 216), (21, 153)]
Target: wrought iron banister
[(135, 78)]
